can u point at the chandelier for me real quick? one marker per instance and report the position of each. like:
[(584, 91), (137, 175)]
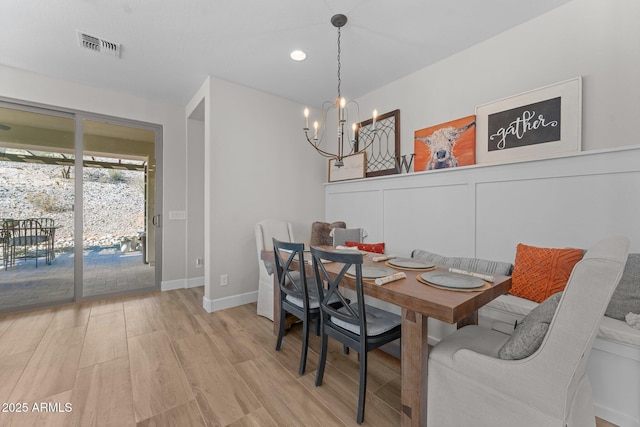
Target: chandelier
[(342, 114)]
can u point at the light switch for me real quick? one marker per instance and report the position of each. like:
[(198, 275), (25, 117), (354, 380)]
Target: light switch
[(177, 215)]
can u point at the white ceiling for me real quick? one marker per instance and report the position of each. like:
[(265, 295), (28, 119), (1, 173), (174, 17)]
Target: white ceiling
[(170, 46)]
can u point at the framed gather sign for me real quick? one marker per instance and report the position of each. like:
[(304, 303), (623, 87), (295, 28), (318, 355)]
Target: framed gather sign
[(541, 123)]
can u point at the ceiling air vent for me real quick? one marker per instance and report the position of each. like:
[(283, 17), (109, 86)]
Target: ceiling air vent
[(98, 44)]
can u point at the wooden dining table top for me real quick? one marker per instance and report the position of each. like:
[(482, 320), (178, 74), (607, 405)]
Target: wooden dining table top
[(450, 306)]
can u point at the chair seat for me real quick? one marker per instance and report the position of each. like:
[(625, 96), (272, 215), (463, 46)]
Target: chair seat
[(471, 337), (313, 297), (28, 240), (378, 321)]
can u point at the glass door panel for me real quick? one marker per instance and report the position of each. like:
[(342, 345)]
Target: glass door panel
[(118, 208), (36, 207)]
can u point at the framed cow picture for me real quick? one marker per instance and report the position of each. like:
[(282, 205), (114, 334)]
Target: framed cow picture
[(447, 145), (541, 123)]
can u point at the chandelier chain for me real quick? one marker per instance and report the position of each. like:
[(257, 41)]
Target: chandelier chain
[(339, 80)]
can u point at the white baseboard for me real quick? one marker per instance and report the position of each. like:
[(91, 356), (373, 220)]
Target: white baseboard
[(170, 285), (194, 282), (615, 417), (212, 305)]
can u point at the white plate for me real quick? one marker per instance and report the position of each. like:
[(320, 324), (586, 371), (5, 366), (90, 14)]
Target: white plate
[(410, 263), (452, 280), (372, 272)]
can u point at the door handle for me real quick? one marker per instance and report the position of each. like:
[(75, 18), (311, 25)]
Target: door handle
[(156, 220)]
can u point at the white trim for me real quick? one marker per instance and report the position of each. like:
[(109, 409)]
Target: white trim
[(228, 302), (613, 416), (400, 176), (170, 285), (195, 282)]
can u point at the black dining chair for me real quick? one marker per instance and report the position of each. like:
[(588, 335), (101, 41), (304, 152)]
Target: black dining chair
[(358, 326), (297, 296)]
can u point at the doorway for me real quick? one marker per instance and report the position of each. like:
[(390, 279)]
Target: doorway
[(118, 185), (36, 266), (100, 211)]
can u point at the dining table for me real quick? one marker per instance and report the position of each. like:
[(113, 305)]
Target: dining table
[(418, 302)]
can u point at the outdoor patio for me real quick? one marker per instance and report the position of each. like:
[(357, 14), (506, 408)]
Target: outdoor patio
[(106, 270)]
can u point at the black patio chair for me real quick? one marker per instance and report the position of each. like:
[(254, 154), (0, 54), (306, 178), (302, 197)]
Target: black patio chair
[(26, 238)]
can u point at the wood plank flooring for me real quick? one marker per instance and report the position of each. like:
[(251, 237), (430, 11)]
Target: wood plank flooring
[(159, 359)]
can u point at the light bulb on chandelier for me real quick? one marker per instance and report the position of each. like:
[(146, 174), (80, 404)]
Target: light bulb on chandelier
[(342, 115)]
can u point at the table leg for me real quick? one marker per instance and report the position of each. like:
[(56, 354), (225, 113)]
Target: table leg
[(471, 319), (415, 355)]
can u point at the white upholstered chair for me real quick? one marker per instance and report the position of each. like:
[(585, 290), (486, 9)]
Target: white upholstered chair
[(343, 235), (469, 385), (266, 231)]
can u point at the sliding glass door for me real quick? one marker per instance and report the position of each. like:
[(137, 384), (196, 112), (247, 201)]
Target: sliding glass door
[(37, 200), (79, 204), (118, 176)]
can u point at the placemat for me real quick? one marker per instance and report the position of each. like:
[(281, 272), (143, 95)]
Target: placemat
[(482, 288), (409, 269), (371, 272)]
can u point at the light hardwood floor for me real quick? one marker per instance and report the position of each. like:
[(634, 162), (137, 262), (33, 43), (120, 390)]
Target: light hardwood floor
[(159, 359)]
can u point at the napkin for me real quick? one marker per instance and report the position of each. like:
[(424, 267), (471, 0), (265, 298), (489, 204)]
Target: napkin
[(348, 248), (471, 273), (382, 258), (395, 276), (633, 320), (324, 261)]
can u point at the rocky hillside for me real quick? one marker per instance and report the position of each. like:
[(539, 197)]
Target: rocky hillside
[(113, 200)]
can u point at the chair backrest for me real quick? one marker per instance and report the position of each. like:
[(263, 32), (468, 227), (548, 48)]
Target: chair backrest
[(478, 265), (269, 229), (352, 265), (291, 282), (343, 235), (46, 222), (7, 226), (27, 232), (563, 354)]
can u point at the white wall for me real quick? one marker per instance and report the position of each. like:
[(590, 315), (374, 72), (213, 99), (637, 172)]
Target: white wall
[(257, 166), (25, 86), (593, 38), (195, 196)]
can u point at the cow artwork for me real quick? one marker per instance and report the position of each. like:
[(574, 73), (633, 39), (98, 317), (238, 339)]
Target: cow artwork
[(446, 145)]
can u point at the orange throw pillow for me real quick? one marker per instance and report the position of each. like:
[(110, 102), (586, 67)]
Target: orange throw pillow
[(377, 248), (539, 273)]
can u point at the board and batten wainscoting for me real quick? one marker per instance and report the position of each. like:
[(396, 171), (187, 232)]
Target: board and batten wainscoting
[(484, 211)]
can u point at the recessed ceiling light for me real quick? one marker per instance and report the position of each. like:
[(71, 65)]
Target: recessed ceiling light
[(298, 55)]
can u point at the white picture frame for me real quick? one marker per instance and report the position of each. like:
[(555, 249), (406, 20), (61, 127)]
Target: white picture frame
[(521, 127), (355, 166)]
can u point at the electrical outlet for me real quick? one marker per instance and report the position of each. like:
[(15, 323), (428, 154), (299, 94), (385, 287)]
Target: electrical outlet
[(224, 279), (198, 262)]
